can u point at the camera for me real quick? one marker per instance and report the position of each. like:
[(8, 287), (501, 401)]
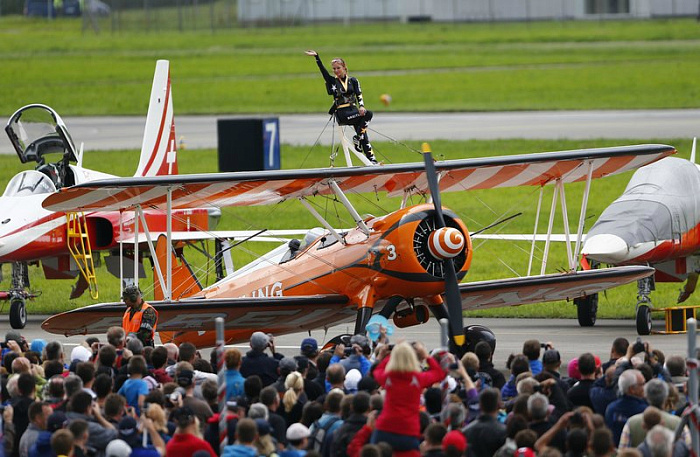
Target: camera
[(174, 397), (638, 346)]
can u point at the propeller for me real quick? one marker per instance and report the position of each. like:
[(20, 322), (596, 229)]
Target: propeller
[(452, 295)]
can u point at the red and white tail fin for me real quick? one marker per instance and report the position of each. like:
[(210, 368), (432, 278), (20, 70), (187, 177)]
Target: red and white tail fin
[(159, 149)]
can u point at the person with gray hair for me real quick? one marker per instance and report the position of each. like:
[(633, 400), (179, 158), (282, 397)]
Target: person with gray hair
[(258, 411), (631, 402), (633, 433), (134, 344), (72, 384), (537, 407), (658, 443)]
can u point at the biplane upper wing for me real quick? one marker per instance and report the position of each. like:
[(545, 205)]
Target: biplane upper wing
[(273, 314), (552, 287), (270, 187)]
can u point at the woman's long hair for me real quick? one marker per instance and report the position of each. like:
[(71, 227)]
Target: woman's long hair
[(403, 359), (157, 415), (295, 385)]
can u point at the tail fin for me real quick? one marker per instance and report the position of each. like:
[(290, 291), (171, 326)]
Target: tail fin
[(185, 283), (159, 149), (692, 152)]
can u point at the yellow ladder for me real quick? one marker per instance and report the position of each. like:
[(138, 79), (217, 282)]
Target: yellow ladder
[(79, 247)]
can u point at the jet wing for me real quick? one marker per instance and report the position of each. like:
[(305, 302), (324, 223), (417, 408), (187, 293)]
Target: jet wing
[(275, 314), (537, 289), (270, 187)]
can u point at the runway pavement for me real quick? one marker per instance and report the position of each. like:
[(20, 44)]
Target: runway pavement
[(197, 132), (570, 339)]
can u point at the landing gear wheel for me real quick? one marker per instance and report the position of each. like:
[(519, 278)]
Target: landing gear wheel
[(473, 334), (18, 313), (333, 342), (643, 320), (587, 310)]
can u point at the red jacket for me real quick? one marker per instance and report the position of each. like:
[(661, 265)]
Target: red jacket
[(185, 444), (403, 391)]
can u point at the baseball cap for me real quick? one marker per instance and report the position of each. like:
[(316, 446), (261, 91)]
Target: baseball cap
[(360, 340), (263, 427), (352, 379), (183, 416), (524, 452), (259, 341), (572, 369), (308, 346), (297, 431), (13, 335), (57, 420), (185, 378), (551, 356), (127, 426), (118, 448), (37, 345), (287, 365), (456, 439), (80, 353)]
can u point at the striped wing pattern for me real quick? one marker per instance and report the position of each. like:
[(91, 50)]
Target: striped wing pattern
[(270, 187)]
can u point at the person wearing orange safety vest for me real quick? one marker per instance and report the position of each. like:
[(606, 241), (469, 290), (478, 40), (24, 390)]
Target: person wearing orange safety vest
[(140, 318)]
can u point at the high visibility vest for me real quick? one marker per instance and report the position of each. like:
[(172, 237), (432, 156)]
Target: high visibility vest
[(133, 324)]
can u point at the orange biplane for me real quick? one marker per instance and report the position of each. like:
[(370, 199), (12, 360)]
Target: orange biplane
[(406, 264)]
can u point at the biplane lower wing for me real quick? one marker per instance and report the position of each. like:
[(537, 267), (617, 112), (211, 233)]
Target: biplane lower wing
[(272, 314), (552, 287)]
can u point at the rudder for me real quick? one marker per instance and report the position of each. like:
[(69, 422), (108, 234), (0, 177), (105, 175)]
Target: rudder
[(159, 148)]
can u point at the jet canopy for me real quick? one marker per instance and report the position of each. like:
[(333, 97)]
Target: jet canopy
[(37, 130), (27, 183)]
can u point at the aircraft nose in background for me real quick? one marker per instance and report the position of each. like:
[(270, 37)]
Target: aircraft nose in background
[(606, 248)]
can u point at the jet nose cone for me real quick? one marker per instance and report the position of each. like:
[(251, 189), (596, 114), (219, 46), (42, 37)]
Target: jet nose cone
[(606, 248)]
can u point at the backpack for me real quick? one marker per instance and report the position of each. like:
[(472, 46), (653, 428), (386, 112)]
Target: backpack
[(318, 436)]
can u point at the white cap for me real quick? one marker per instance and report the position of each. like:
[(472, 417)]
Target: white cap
[(80, 353), (118, 448), (297, 432)]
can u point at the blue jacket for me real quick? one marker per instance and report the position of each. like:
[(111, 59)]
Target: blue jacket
[(358, 362), (234, 384), (509, 390), (535, 367), (239, 450), (620, 410), (42, 446), (602, 395)]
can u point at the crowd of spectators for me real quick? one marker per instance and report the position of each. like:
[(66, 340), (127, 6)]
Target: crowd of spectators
[(119, 399)]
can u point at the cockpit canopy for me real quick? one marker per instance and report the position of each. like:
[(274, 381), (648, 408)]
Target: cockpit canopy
[(37, 130), (27, 183)]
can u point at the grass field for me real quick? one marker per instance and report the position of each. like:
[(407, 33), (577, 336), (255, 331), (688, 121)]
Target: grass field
[(478, 209), (425, 67)]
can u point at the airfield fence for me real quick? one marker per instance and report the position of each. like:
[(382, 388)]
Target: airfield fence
[(203, 15)]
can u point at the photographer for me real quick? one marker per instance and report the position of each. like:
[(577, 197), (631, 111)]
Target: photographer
[(355, 356), (256, 362)]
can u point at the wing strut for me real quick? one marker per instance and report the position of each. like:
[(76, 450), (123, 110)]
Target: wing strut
[(552, 210), (534, 234), (169, 240), (565, 219), (582, 215), (351, 209), (320, 218)]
